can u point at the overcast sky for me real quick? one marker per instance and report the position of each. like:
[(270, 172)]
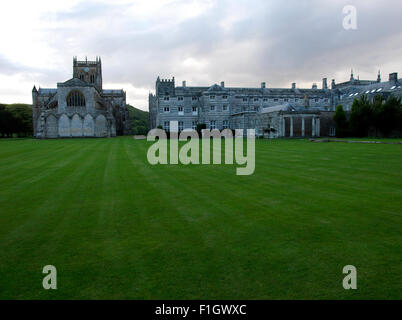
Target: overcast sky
[(203, 42)]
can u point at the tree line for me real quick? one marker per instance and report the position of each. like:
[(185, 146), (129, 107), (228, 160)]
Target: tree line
[(379, 117), (15, 120)]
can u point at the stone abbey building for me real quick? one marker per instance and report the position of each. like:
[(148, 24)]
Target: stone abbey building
[(80, 107), (283, 112)]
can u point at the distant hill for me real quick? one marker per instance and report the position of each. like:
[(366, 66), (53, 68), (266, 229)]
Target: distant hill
[(139, 120)]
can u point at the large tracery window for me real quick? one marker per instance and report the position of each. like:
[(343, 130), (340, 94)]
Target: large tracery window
[(75, 99)]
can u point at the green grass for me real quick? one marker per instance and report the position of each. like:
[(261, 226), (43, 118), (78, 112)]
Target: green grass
[(116, 227)]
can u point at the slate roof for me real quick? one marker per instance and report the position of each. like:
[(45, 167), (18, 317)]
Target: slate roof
[(74, 82), (47, 91)]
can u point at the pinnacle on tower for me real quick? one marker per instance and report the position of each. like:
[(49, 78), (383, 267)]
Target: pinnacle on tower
[(379, 76), (351, 75)]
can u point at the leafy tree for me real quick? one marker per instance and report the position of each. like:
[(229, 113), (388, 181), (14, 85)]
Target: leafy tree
[(341, 121), (361, 117), (15, 119), (379, 116), (390, 116)]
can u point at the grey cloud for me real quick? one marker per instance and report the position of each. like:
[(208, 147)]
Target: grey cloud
[(288, 41)]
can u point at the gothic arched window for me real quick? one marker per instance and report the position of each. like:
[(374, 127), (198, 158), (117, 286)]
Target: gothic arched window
[(75, 99)]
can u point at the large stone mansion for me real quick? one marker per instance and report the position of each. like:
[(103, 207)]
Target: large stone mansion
[(284, 112), (80, 107)]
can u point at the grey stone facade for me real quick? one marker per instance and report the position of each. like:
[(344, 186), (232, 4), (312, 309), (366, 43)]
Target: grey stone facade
[(80, 107), (283, 112)]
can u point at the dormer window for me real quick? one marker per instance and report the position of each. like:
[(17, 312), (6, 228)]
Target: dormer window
[(211, 97)]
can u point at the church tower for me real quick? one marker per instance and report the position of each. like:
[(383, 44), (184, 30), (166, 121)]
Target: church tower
[(88, 71)]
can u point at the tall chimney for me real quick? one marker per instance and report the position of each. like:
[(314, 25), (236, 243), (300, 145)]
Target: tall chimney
[(293, 85), (262, 85), (324, 83), (222, 84), (314, 86), (184, 84), (333, 84)]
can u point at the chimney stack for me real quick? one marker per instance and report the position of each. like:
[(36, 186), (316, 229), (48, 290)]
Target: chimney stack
[(333, 84), (262, 85), (324, 83), (314, 86), (222, 84), (184, 84), (294, 85)]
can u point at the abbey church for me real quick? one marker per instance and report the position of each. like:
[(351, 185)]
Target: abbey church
[(80, 107)]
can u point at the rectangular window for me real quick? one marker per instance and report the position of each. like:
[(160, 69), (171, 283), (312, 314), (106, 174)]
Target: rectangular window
[(181, 111), (275, 100), (166, 109), (265, 99), (181, 125), (286, 99), (212, 124), (224, 97), (194, 111), (194, 125), (225, 124), (316, 99), (212, 108), (166, 126), (180, 98), (194, 98), (256, 99), (225, 108), (212, 97), (244, 99), (166, 98)]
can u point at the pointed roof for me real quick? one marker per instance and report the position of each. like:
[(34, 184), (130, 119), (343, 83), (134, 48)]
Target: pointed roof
[(74, 82), (216, 87)]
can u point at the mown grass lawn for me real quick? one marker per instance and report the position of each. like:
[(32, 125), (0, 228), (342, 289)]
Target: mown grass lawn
[(116, 227)]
